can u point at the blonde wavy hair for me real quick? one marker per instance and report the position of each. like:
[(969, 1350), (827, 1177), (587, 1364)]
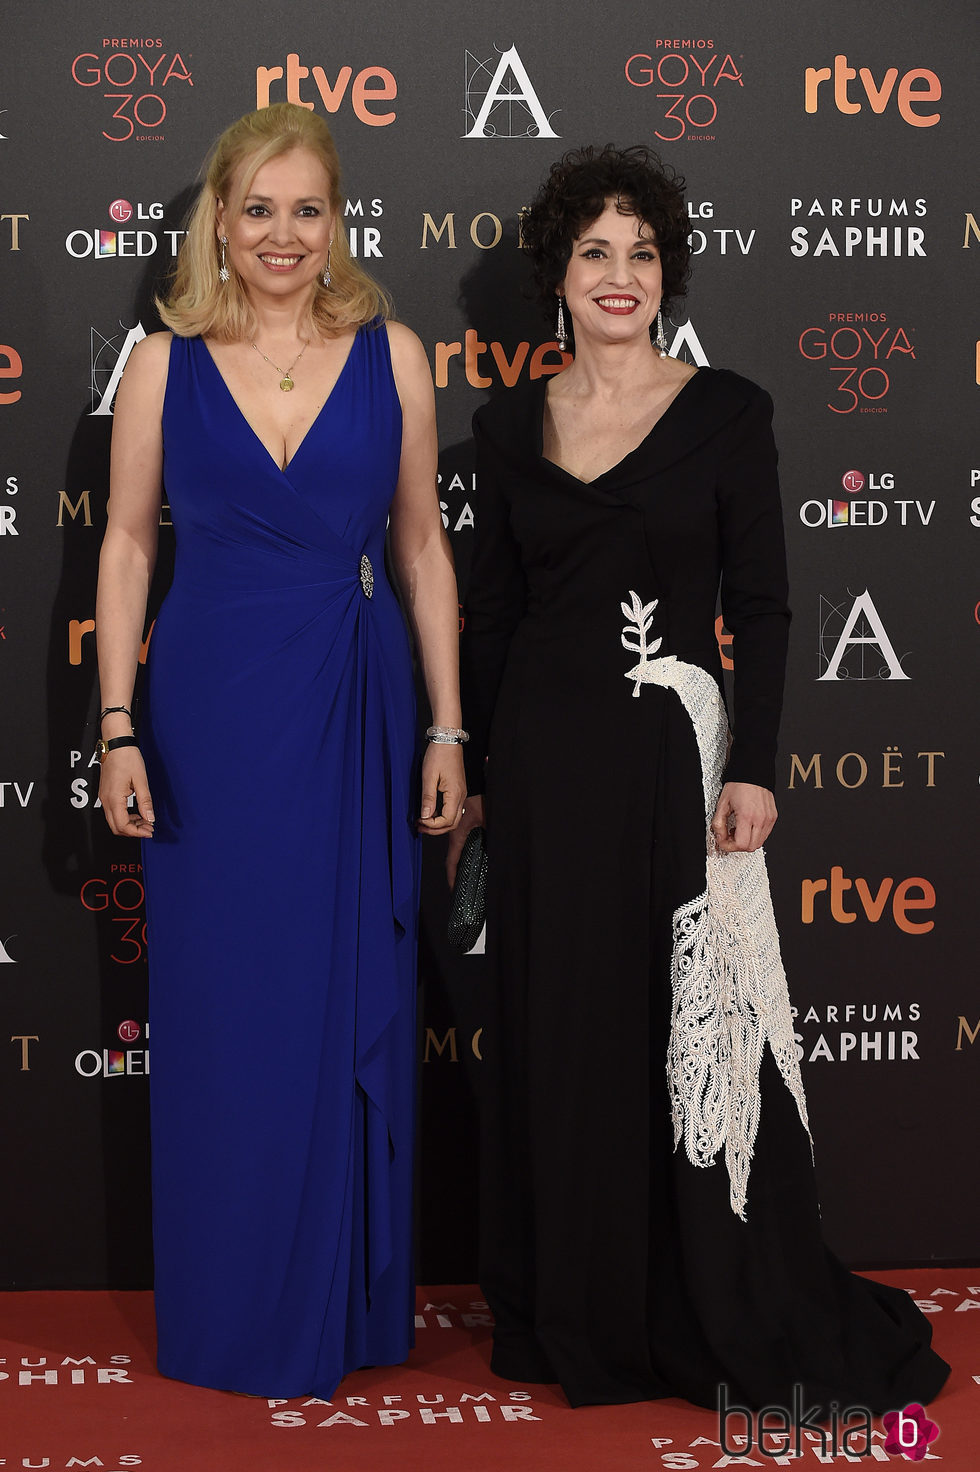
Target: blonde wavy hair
[(198, 302)]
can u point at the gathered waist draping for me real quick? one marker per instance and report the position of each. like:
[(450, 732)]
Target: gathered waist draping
[(247, 570)]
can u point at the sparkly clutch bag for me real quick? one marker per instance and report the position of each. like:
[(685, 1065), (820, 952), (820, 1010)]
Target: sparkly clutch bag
[(469, 907)]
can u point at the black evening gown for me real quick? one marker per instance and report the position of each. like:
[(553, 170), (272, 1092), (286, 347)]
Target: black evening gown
[(615, 1264)]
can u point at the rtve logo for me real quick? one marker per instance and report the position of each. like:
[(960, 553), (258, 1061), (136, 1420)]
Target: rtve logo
[(916, 89), (909, 894), (11, 366), (369, 90)]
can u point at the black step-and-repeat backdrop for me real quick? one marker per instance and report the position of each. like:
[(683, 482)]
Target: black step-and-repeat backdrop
[(830, 153)]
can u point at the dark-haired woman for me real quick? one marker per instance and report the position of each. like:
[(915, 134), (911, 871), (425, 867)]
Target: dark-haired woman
[(650, 1224)]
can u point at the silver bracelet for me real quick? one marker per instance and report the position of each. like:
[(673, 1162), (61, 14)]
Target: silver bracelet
[(447, 735)]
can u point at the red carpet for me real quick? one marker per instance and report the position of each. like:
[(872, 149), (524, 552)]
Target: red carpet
[(78, 1389)]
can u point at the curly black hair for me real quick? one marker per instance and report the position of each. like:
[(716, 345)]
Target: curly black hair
[(575, 193)]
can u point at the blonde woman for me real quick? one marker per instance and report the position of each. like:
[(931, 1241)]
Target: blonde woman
[(274, 769)]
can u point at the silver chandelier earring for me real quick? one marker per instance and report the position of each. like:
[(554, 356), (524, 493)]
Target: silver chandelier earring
[(561, 333), (661, 335), (223, 273), (326, 278)]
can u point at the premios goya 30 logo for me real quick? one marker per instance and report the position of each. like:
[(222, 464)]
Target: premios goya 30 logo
[(861, 351), (141, 77), (120, 898), (688, 80)]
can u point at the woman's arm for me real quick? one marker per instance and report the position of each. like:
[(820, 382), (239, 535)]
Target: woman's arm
[(126, 568), (423, 565), (753, 600)]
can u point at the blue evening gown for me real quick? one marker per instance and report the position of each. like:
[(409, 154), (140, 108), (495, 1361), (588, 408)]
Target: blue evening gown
[(282, 884)]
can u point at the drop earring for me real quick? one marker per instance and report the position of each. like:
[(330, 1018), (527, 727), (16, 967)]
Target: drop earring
[(661, 335), (326, 278), (561, 334), (223, 273)]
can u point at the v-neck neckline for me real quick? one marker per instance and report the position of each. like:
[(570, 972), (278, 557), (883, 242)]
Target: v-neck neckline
[(282, 469), (563, 470)]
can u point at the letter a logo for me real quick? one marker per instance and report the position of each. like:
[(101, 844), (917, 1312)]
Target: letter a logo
[(685, 338), (103, 392), (504, 104), (861, 631)]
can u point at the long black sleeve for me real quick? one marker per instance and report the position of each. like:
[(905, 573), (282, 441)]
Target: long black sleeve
[(495, 601), (754, 591)]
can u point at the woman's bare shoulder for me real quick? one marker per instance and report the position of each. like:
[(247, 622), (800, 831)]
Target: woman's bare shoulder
[(145, 377)]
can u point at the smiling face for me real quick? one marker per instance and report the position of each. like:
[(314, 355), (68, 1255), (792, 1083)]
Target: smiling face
[(613, 281), (278, 239)]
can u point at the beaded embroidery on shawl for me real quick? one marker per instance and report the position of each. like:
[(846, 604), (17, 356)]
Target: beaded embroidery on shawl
[(729, 988)]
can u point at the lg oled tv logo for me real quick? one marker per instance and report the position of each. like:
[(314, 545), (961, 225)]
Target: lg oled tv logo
[(141, 77), (725, 239), (691, 78), (116, 1062), (856, 509), (912, 94), (98, 244), (16, 794), (500, 100)]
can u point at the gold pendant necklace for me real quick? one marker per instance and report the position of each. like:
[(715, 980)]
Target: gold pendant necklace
[(285, 382)]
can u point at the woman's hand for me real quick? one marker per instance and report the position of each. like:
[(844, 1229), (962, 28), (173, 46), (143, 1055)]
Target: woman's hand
[(442, 771), (473, 819), (124, 774), (744, 817)]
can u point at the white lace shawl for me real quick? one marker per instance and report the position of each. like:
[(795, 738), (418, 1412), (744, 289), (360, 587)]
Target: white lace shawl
[(729, 987)]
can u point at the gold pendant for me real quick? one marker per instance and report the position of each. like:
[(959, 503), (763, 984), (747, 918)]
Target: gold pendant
[(286, 383)]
